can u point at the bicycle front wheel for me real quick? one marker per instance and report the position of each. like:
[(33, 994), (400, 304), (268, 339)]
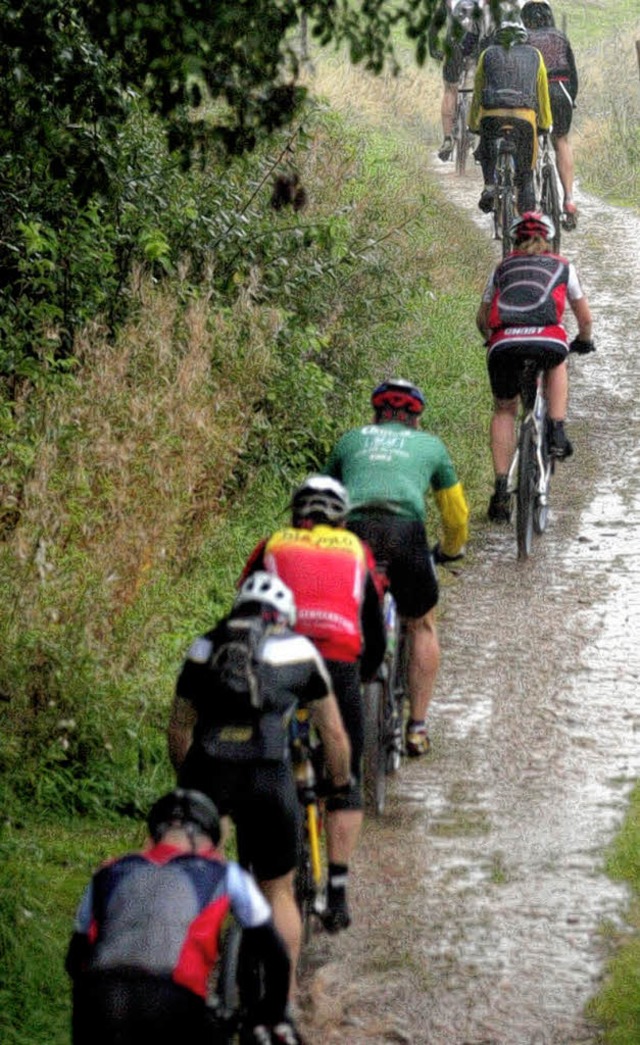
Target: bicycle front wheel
[(550, 203), (526, 496), (374, 773)]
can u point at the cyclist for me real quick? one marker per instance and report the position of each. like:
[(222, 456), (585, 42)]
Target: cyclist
[(510, 88), (466, 22), (147, 936), (555, 48), (388, 467), (330, 573), (229, 736), (520, 316)]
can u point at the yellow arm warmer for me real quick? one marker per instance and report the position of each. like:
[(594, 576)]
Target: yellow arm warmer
[(453, 508)]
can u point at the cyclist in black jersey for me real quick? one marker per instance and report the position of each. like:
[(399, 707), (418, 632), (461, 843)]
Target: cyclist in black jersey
[(555, 48), (244, 763)]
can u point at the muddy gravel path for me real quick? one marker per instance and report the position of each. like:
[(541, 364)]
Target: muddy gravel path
[(479, 899)]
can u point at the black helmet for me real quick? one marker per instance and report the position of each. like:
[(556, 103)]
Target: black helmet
[(184, 807), (320, 498), (399, 395), (537, 14)]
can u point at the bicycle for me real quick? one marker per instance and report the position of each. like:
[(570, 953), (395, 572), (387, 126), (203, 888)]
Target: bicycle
[(530, 472), (383, 698), (547, 191), (504, 200), (462, 138)]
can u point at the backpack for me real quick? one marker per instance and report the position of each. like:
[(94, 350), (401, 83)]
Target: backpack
[(235, 660), (530, 291)]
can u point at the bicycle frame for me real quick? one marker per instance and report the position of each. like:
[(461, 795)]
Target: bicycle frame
[(461, 133)]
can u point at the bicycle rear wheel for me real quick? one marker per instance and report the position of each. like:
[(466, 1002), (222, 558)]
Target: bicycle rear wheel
[(550, 202), (374, 774), (526, 495), (507, 214)]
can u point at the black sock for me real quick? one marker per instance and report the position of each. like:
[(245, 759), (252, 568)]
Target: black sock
[(337, 881)]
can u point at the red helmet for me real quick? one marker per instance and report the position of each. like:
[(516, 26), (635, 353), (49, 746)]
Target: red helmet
[(531, 224), (399, 395)]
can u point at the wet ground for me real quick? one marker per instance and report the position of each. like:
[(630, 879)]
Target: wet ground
[(480, 901)]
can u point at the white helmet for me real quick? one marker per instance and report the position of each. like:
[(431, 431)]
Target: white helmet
[(268, 590), (322, 498)]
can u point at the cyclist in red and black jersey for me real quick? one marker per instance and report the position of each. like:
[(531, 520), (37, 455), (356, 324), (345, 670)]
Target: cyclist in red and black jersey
[(331, 574), (562, 75), (147, 936), (520, 317)]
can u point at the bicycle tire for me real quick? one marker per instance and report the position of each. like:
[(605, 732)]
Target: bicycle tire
[(374, 772), (550, 203), (461, 135), (507, 211), (525, 498)]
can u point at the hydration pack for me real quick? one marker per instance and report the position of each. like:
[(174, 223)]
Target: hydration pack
[(238, 695), (530, 291)]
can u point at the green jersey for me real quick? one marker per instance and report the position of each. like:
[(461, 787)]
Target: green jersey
[(391, 466)]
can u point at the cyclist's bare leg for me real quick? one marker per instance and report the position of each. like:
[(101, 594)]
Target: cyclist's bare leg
[(564, 163), (286, 916), (503, 433), (448, 107), (557, 391), (424, 661), (343, 831)]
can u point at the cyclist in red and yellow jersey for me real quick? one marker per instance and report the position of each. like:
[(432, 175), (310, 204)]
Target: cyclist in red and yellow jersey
[(331, 574), (388, 468)]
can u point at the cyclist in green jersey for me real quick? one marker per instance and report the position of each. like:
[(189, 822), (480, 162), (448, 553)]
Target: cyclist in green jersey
[(388, 467)]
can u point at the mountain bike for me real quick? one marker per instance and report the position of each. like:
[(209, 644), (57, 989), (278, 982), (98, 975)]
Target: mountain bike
[(504, 200), (547, 190), (383, 698), (462, 138), (529, 476)]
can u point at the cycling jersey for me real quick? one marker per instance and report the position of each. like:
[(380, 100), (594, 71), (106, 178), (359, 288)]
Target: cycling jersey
[(527, 294), (558, 57), (161, 911), (391, 466), (513, 78)]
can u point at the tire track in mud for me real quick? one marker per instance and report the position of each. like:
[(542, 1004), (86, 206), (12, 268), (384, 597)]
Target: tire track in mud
[(480, 897)]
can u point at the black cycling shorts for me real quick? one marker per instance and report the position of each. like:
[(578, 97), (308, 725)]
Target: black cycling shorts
[(454, 58), (561, 109), (262, 801), (505, 364), (347, 686), (401, 545), (130, 1007)]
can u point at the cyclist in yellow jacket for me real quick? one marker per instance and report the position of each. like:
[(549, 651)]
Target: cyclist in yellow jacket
[(510, 87)]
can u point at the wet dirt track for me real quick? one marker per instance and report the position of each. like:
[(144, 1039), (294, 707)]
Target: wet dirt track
[(480, 897)]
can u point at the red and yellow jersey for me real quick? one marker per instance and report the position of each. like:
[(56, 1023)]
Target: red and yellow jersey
[(326, 568)]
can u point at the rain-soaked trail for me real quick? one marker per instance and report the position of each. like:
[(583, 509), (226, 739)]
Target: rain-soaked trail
[(480, 896)]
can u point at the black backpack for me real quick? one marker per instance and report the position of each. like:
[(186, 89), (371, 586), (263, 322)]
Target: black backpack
[(238, 695)]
